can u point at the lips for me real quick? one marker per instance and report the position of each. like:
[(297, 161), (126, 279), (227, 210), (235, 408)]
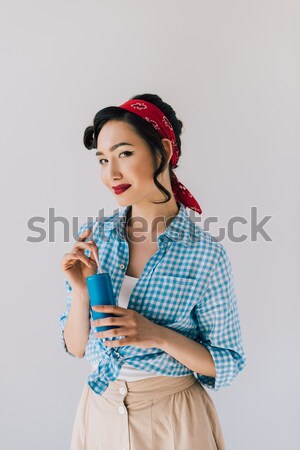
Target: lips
[(121, 188)]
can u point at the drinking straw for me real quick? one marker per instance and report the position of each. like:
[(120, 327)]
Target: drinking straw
[(95, 254)]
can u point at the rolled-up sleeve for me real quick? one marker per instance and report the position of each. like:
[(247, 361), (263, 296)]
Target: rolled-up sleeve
[(219, 325), (64, 316)]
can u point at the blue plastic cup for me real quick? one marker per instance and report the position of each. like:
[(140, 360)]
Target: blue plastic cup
[(101, 293)]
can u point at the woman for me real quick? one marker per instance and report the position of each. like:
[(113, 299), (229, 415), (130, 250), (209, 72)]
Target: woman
[(175, 328)]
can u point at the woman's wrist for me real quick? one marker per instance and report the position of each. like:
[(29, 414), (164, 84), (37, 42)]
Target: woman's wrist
[(161, 337), (80, 293)]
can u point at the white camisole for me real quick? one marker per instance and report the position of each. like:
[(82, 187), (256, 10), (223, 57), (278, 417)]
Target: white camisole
[(127, 372)]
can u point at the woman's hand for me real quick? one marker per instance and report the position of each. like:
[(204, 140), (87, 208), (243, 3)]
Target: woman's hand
[(138, 330), (76, 265)]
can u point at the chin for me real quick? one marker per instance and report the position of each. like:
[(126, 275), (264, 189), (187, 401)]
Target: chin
[(123, 201)]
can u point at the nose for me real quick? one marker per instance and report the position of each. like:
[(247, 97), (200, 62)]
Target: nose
[(114, 172)]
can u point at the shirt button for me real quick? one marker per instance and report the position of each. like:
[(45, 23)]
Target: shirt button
[(121, 410), (122, 266), (122, 391)]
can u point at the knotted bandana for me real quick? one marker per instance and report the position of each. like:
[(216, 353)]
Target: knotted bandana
[(162, 125)]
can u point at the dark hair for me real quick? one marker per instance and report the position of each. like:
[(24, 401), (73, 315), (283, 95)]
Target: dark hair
[(143, 128)]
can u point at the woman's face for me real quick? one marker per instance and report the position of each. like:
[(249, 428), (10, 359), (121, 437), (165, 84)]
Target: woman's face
[(127, 164)]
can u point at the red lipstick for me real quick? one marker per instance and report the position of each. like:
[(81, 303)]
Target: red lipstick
[(120, 188)]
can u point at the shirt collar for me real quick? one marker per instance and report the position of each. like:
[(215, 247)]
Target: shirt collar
[(178, 230)]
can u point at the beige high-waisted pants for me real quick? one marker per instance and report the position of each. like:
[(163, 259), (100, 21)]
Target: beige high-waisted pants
[(157, 413)]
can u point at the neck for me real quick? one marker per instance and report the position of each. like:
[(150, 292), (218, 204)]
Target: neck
[(150, 219)]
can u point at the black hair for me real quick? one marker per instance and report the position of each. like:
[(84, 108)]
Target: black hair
[(143, 128)]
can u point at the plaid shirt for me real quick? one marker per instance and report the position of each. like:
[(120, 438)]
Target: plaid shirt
[(187, 285)]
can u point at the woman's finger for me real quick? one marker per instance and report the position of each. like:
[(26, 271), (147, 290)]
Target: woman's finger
[(115, 321), (82, 237), (78, 255), (121, 331), (87, 246)]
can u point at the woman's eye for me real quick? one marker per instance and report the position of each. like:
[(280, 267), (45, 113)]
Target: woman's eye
[(126, 151), (122, 153)]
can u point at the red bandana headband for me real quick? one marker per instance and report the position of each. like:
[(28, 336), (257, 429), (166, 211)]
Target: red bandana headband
[(162, 125)]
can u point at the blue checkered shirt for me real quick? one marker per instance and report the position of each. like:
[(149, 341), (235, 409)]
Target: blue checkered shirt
[(187, 285)]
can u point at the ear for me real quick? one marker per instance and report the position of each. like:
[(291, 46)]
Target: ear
[(168, 147)]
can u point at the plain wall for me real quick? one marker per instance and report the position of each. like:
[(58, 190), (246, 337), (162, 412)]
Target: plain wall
[(230, 69)]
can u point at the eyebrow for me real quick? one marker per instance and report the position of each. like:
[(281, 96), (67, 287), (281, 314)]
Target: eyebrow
[(114, 147)]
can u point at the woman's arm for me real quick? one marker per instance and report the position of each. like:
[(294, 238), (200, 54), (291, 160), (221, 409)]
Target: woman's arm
[(190, 353), (75, 322), (217, 353), (77, 326)]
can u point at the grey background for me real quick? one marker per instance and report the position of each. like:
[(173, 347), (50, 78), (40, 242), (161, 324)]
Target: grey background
[(231, 71)]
